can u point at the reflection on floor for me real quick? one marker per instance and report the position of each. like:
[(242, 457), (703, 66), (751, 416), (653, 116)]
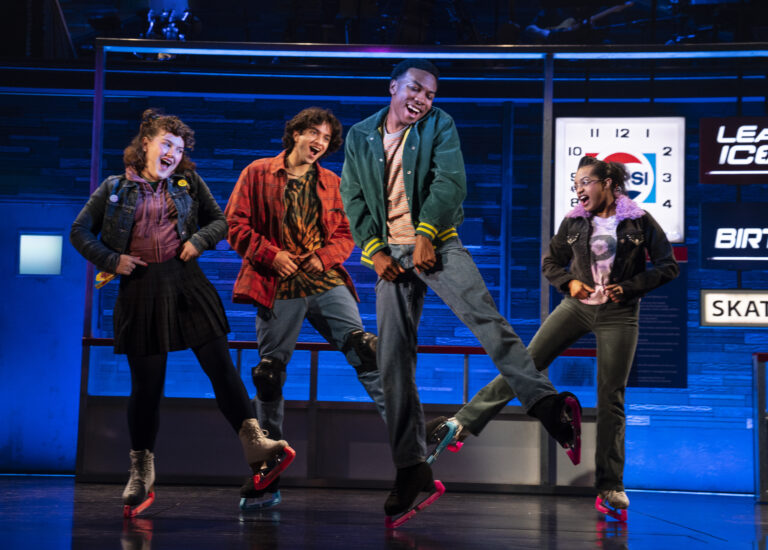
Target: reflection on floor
[(55, 512)]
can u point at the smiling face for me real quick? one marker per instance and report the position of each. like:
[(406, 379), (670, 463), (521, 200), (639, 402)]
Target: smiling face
[(594, 194), (162, 153), (412, 95), (310, 144)]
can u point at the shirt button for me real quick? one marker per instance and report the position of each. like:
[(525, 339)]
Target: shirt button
[(413, 147), (409, 171), (371, 138), (381, 160)]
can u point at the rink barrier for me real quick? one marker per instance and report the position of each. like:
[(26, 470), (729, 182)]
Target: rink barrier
[(316, 347), (331, 435)]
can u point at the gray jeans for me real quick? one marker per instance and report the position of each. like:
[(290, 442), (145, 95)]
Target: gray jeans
[(334, 315), (616, 328), (457, 281)]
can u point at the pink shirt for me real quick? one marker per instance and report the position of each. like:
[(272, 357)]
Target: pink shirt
[(154, 238)]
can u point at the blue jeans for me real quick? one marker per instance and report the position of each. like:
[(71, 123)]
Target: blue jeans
[(616, 328), (334, 315), (457, 281)]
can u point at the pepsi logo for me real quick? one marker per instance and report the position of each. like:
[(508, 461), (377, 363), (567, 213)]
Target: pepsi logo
[(641, 186)]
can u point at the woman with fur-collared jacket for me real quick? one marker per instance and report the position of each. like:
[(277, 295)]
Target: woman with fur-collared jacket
[(149, 225), (598, 260)]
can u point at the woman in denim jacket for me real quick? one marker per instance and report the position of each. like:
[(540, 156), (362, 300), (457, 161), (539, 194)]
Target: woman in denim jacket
[(598, 260), (149, 225)]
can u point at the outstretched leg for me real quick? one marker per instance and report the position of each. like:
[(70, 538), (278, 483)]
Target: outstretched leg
[(335, 315)]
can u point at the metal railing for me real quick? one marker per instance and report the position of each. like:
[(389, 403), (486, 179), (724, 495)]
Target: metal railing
[(760, 427)]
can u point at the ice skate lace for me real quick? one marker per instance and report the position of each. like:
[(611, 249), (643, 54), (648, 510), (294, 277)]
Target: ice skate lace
[(140, 469), (256, 434)]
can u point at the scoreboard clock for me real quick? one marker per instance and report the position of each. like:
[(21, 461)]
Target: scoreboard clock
[(652, 149)]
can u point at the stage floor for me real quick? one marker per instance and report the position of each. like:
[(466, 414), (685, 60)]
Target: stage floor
[(55, 512)]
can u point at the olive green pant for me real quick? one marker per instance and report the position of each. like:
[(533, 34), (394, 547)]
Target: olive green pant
[(616, 328)]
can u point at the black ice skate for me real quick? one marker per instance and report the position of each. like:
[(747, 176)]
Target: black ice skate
[(444, 433), (561, 416), (409, 483), (251, 499), (139, 492)]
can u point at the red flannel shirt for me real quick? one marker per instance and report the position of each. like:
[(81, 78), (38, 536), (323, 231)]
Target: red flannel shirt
[(255, 218)]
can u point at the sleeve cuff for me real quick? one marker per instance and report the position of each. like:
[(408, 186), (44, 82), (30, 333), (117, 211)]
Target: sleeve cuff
[(373, 246), (431, 232), (428, 230)]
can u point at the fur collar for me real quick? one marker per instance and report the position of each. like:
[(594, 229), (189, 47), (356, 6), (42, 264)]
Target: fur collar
[(626, 209)]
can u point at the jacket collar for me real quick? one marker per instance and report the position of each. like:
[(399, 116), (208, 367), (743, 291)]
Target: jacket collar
[(626, 209), (276, 164), (132, 178), (372, 125)]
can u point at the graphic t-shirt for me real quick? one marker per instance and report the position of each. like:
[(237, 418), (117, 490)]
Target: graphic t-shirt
[(603, 247)]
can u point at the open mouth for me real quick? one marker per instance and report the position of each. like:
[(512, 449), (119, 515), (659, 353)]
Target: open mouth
[(166, 162), (413, 110), (315, 149), (583, 199)]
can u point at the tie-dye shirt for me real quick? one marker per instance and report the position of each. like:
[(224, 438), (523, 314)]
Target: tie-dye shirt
[(302, 233)]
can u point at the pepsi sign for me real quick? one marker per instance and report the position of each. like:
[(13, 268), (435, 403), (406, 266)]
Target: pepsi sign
[(653, 151)]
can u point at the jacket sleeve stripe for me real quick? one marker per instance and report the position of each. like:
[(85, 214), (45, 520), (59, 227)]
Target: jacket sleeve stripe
[(427, 229)]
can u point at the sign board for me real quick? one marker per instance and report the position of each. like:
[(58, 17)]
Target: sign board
[(733, 150), (734, 235), (652, 149), (734, 308)]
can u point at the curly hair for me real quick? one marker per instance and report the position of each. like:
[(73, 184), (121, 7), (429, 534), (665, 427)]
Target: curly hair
[(152, 123), (615, 171), (307, 118)]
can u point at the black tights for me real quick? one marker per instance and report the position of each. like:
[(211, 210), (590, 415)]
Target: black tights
[(148, 379)]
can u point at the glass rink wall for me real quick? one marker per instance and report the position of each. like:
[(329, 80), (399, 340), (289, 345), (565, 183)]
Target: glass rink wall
[(523, 115)]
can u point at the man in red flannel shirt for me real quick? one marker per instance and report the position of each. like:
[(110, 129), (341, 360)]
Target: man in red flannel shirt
[(287, 221)]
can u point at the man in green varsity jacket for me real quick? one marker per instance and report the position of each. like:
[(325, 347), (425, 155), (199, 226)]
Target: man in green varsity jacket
[(403, 184)]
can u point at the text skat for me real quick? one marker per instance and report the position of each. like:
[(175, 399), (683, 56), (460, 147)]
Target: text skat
[(740, 308)]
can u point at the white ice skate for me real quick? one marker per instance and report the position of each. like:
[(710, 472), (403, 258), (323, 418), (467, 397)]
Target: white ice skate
[(266, 457), (139, 492)]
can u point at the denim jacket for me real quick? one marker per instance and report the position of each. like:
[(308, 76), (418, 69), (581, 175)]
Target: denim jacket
[(636, 233), (109, 214)]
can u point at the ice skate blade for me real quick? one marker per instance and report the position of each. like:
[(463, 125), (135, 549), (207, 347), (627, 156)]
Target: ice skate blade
[(610, 512), (574, 450), (132, 512), (391, 522), (273, 500), (445, 442), (262, 479)]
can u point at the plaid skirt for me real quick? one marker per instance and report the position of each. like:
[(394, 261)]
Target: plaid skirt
[(164, 307)]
